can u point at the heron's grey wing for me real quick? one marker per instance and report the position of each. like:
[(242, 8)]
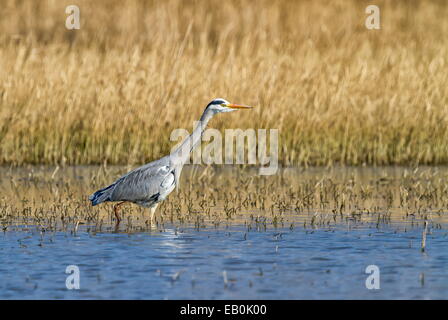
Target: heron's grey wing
[(142, 183)]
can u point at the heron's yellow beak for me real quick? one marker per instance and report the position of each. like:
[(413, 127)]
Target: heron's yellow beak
[(237, 106)]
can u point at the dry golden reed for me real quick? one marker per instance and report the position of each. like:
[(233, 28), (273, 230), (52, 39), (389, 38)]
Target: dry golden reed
[(115, 89)]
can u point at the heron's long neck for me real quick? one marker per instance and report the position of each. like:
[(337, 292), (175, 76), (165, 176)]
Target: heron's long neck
[(182, 153)]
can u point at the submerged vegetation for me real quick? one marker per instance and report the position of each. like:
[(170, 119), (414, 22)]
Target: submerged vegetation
[(55, 199), (114, 90)]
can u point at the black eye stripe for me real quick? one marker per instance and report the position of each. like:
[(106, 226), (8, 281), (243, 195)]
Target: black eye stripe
[(216, 102)]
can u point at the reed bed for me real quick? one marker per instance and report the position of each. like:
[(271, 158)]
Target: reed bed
[(53, 199), (113, 91)]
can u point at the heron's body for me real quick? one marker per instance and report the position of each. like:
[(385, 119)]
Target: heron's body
[(135, 187), (152, 183)]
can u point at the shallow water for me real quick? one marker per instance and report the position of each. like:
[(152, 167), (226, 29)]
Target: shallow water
[(241, 257), (189, 264)]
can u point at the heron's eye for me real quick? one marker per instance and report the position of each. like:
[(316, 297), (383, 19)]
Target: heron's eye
[(223, 105)]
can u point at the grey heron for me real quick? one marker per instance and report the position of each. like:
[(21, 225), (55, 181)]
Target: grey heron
[(151, 183)]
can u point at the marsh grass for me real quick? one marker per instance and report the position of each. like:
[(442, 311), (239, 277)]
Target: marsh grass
[(210, 197), (113, 91)]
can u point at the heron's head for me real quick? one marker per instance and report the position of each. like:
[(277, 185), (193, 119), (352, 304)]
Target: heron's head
[(221, 105)]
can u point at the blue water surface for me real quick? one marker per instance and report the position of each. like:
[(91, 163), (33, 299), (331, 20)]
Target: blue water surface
[(225, 263)]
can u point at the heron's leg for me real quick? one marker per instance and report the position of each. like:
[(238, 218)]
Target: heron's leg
[(153, 211), (116, 211)]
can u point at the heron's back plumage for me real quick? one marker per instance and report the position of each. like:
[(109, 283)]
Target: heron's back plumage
[(145, 185)]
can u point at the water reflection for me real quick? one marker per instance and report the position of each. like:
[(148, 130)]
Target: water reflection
[(190, 264), (284, 237)]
